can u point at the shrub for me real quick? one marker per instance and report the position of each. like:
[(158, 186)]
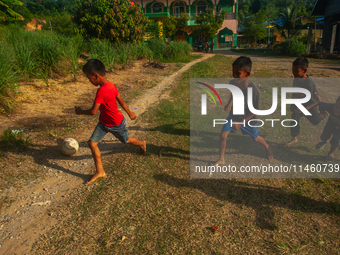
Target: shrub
[(293, 47), (303, 39), (62, 24), (114, 20)]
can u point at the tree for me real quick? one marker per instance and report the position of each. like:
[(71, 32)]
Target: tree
[(174, 24), (115, 20), (169, 26), (182, 21), (6, 12), (255, 26), (208, 24)]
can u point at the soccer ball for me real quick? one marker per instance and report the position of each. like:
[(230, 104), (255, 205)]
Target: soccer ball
[(69, 146)]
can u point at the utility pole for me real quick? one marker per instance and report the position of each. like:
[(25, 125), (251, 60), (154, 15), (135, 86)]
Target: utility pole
[(268, 30)]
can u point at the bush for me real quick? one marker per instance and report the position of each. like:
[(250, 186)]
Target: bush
[(114, 20), (303, 39), (293, 47), (62, 24)]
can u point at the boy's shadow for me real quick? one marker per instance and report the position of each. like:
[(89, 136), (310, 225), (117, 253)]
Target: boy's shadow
[(259, 197), (43, 155), (115, 146), (167, 129), (244, 144)]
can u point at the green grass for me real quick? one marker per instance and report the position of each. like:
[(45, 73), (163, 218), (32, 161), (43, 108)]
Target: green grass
[(173, 214), (10, 140), (183, 59)]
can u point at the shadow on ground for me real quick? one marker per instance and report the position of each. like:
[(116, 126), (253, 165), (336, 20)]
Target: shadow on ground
[(259, 197)]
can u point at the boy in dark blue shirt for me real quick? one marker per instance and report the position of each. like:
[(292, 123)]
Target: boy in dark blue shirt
[(301, 80), (241, 71), (331, 131)]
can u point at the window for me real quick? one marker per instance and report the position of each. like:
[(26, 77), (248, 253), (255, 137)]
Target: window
[(157, 7), (201, 6), (179, 8), (218, 9)]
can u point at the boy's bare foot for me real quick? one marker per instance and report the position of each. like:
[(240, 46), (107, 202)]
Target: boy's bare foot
[(219, 162), (96, 176), (143, 148), (270, 153), (294, 140)]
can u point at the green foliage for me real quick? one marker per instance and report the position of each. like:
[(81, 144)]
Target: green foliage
[(208, 24), (174, 24), (47, 53), (48, 8), (6, 12), (8, 76), (169, 26), (293, 47), (182, 21), (115, 20), (37, 54), (71, 53), (62, 24), (154, 30), (255, 26), (303, 39), (166, 51)]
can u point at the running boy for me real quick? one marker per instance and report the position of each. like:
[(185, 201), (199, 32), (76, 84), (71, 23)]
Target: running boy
[(241, 71), (111, 119), (301, 79), (331, 129)]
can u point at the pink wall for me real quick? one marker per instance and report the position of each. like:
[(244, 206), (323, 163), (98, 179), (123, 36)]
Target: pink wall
[(231, 24)]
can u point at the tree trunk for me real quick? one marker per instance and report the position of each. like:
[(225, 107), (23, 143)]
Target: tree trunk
[(309, 38), (333, 39)]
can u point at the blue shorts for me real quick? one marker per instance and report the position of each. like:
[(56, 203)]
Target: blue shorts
[(246, 130), (120, 131)]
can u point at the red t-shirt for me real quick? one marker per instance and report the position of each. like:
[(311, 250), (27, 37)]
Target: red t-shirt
[(106, 96)]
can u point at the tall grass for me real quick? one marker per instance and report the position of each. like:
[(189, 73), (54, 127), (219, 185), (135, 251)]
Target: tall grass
[(118, 55), (71, 54), (104, 51), (8, 77), (25, 55), (169, 51)]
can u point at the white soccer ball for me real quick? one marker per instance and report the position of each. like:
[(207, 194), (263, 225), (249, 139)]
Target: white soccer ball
[(69, 146)]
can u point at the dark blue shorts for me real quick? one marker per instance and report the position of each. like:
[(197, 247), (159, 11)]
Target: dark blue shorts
[(246, 130), (120, 131)]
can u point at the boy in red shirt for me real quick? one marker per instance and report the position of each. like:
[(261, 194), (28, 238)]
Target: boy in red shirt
[(111, 119)]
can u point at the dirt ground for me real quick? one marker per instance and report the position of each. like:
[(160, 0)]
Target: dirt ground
[(48, 114)]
